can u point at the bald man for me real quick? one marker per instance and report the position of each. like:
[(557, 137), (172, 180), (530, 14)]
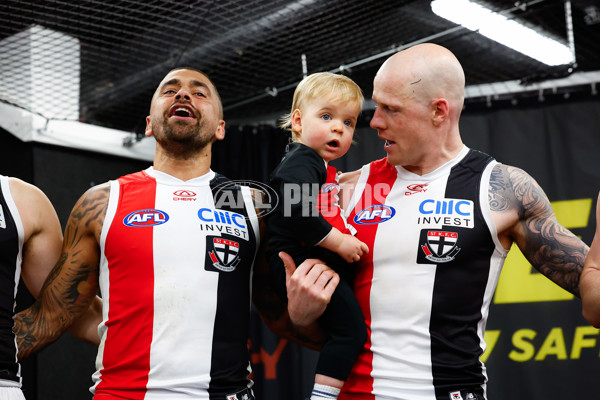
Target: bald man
[(439, 219)]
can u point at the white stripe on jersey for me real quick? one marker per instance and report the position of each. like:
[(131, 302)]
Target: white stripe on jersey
[(400, 318), (497, 259), (176, 316), (185, 292), (400, 301), (104, 278)]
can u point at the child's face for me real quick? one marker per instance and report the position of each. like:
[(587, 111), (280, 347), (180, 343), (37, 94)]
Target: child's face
[(326, 126)]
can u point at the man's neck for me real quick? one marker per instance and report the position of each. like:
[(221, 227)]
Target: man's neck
[(435, 159), (184, 169)]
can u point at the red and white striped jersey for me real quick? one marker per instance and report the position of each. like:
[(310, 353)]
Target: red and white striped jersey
[(175, 268), (426, 285)]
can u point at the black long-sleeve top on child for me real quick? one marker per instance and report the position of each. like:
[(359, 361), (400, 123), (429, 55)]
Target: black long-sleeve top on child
[(307, 207)]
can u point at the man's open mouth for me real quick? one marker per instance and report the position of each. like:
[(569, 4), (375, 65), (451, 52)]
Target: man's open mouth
[(182, 112)]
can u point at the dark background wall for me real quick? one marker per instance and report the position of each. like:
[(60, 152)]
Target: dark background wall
[(544, 348)]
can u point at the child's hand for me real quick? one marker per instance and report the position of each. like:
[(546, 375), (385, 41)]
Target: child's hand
[(351, 249), (347, 246)]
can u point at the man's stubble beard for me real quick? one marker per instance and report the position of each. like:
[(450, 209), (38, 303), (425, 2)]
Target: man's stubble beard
[(182, 145)]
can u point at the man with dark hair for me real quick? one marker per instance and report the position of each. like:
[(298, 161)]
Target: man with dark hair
[(174, 275)]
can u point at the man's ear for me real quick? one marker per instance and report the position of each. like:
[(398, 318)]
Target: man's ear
[(297, 121), (441, 111), (148, 131), (220, 132)]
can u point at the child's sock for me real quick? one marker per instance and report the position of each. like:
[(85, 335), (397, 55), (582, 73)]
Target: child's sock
[(324, 392)]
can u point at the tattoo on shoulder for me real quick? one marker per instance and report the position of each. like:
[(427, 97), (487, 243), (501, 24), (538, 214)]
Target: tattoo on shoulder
[(530, 198), (73, 281), (497, 193), (90, 209), (513, 189), (551, 248)]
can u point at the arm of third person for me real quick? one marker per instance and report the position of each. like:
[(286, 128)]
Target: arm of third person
[(590, 277), (42, 244), (72, 285)]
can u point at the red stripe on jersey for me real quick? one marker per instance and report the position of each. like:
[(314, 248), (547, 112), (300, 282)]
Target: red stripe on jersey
[(126, 359), (381, 179), (328, 201)]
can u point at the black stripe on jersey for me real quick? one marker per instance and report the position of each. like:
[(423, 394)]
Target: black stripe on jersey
[(9, 251), (459, 289), (230, 355)]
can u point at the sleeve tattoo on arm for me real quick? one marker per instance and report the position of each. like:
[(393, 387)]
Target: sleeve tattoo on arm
[(552, 249), (497, 193), (72, 283)]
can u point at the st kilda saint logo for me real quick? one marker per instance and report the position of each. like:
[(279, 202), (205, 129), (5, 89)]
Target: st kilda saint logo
[(440, 246), (224, 254)]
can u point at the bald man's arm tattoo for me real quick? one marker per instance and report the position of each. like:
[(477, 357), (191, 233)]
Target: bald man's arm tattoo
[(73, 282), (497, 194), (552, 249)]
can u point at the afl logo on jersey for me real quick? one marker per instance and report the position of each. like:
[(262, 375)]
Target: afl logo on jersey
[(375, 214), (149, 217), (329, 187)]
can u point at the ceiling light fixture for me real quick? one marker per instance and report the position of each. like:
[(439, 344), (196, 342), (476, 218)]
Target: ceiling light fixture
[(506, 31)]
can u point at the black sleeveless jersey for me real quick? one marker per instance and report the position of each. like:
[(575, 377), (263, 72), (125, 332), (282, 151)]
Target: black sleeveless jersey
[(11, 243)]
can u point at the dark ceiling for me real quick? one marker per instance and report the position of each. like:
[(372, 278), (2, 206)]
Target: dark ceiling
[(253, 49)]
